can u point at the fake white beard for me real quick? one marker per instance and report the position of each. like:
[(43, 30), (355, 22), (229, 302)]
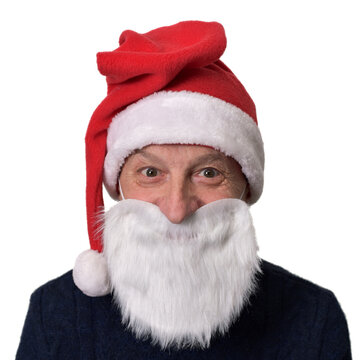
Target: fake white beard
[(180, 283)]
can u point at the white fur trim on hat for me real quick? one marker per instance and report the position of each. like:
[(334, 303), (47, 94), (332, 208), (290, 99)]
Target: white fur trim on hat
[(184, 117), (90, 273)]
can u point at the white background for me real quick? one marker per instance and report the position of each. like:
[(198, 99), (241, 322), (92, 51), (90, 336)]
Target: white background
[(299, 60)]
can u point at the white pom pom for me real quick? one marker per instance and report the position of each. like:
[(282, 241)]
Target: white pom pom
[(90, 273)]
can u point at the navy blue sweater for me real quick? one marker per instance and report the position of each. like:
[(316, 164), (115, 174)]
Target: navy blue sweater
[(286, 318)]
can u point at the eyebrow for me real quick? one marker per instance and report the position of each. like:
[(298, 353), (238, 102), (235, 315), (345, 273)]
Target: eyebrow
[(207, 158)]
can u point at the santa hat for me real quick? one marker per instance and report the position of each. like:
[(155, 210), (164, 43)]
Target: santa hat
[(166, 86)]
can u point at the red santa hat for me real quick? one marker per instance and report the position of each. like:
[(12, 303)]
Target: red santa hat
[(166, 86)]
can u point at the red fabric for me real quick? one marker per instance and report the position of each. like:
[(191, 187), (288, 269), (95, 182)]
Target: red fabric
[(184, 56)]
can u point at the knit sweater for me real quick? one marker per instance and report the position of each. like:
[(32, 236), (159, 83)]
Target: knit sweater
[(286, 318)]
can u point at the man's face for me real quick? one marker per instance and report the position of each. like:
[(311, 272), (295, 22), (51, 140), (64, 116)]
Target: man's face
[(179, 179), (181, 270)]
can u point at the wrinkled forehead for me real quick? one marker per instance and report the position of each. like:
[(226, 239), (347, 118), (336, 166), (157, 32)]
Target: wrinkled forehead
[(179, 151)]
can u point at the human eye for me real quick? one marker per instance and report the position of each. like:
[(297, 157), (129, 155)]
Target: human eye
[(209, 173), (150, 172)]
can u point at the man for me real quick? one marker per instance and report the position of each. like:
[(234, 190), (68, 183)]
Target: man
[(173, 270)]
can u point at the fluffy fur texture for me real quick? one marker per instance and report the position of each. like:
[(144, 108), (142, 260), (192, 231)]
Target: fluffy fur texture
[(180, 283), (185, 117), (90, 273)]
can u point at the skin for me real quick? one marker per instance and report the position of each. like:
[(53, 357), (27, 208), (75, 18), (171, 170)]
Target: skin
[(179, 179)]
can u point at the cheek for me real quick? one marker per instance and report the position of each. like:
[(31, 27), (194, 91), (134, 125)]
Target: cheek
[(139, 193), (212, 194)]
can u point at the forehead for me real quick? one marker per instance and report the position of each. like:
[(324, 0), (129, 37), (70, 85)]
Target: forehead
[(178, 153)]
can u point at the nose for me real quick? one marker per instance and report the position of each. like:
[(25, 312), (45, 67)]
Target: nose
[(179, 202)]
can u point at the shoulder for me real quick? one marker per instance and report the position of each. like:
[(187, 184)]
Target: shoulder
[(295, 292), (309, 314), (51, 320), (61, 287), (277, 275), (56, 302), (61, 282)]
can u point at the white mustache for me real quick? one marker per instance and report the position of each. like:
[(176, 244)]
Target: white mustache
[(191, 228)]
